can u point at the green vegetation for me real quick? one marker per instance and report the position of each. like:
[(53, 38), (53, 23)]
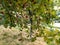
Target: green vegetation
[(31, 16)]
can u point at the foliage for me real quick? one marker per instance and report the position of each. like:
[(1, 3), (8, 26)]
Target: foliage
[(27, 11), (33, 15)]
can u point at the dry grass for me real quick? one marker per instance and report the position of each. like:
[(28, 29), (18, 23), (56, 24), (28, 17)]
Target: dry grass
[(13, 37)]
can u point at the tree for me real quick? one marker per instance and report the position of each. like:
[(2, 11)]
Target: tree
[(24, 12)]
